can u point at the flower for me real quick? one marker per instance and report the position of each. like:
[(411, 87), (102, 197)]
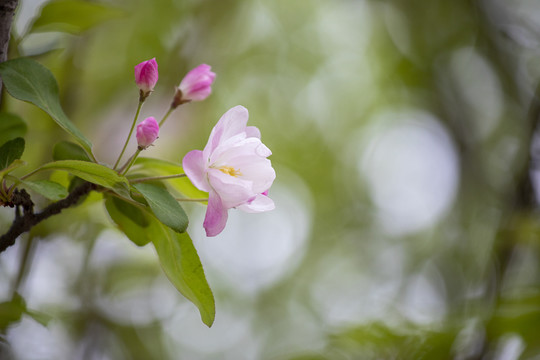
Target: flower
[(147, 132), (195, 86), (146, 77), (233, 168)]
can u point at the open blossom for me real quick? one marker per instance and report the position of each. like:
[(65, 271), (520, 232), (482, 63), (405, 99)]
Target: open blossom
[(147, 132), (195, 86), (146, 76), (233, 168)]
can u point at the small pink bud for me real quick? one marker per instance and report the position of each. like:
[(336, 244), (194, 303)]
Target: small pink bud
[(147, 132), (146, 76), (195, 86)]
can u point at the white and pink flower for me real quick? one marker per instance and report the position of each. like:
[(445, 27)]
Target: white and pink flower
[(233, 168)]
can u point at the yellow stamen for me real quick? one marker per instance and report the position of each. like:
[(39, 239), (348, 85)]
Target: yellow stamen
[(229, 170)]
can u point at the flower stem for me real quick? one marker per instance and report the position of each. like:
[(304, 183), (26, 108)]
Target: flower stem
[(193, 200), (130, 132), (130, 163), (152, 178), (171, 109), (30, 173)]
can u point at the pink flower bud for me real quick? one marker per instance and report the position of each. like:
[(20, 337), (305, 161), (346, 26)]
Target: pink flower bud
[(196, 85), (147, 132), (146, 76)]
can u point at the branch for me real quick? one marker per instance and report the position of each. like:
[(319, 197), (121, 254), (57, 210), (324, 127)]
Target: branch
[(29, 219), (7, 9)]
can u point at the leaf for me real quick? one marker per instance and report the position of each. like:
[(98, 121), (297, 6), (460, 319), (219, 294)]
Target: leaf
[(51, 190), (28, 80), (164, 206), (40, 317), (11, 127), (11, 311), (11, 151), (131, 220), (94, 173), (163, 167), (16, 164), (177, 255), (181, 263), (72, 16), (65, 150)]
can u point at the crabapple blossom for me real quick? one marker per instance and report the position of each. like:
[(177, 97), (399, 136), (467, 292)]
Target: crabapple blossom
[(195, 86), (146, 77), (147, 132), (233, 168)]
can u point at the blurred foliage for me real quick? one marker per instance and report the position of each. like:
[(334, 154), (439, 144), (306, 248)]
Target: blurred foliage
[(322, 80)]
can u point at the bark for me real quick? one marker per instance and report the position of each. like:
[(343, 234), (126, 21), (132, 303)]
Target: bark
[(7, 10), (29, 219)]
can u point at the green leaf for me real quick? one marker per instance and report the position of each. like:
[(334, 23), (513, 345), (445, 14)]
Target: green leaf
[(65, 150), (28, 80), (11, 151), (11, 127), (16, 164), (177, 255), (155, 167), (72, 16), (11, 311), (94, 173), (40, 317), (164, 206), (51, 190), (181, 263), (131, 220)]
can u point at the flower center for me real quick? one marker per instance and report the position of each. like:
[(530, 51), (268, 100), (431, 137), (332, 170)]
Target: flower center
[(229, 170)]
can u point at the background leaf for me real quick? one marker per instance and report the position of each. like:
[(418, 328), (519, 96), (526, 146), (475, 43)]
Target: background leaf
[(11, 127), (28, 80), (131, 220), (164, 206), (11, 311), (50, 189), (66, 150), (72, 16), (181, 263), (94, 173), (11, 151)]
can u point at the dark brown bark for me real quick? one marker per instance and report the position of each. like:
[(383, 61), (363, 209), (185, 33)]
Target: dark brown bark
[(7, 10), (28, 219)]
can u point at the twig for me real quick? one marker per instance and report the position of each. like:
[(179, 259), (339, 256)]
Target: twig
[(29, 219), (7, 9)]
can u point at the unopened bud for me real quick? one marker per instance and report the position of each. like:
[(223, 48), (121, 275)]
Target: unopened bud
[(147, 132)]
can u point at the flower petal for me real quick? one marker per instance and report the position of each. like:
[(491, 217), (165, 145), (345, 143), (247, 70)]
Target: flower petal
[(261, 203), (246, 157), (216, 215), (232, 123), (146, 75), (194, 167), (232, 190), (253, 131), (193, 77), (147, 132)]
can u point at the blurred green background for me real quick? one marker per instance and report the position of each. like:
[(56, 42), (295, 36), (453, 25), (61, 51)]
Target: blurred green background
[(402, 131)]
